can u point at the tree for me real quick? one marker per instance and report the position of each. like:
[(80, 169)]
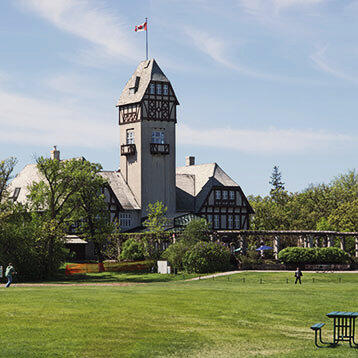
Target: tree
[(278, 187), (69, 192), (6, 168), (196, 230), (156, 221)]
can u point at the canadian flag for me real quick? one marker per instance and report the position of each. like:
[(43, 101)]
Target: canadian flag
[(142, 27)]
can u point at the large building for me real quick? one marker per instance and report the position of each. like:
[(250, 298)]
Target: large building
[(147, 117)]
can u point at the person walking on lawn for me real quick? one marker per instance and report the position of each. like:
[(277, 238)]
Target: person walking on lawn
[(10, 271), (298, 275)]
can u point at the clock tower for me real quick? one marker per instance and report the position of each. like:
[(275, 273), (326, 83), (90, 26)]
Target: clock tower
[(147, 119)]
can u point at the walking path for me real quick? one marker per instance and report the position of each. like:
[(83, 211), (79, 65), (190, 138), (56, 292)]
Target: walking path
[(84, 284), (243, 271)]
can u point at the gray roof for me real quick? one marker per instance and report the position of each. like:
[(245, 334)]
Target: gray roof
[(25, 178), (146, 71), (31, 174), (121, 190), (194, 183)]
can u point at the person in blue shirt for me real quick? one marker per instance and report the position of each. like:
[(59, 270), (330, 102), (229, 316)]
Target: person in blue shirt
[(9, 273)]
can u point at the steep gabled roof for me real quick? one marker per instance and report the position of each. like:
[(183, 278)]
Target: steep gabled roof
[(23, 180), (146, 71), (120, 189), (196, 181)]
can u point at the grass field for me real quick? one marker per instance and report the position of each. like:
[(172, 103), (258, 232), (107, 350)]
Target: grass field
[(224, 317)]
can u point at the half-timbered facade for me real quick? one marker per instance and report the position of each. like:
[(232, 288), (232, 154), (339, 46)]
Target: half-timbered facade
[(147, 117), (209, 192)]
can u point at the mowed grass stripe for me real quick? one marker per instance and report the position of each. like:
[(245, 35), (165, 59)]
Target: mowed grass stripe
[(206, 318)]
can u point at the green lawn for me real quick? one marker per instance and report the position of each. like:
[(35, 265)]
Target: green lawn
[(207, 318)]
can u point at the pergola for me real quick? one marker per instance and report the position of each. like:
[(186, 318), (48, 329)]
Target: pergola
[(304, 238)]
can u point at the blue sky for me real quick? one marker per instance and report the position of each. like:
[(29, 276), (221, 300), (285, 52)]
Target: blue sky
[(260, 82)]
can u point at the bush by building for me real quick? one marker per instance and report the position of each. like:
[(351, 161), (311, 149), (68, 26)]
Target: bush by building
[(132, 250), (205, 257), (302, 255)]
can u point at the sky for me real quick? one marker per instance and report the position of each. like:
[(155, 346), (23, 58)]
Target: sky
[(260, 82)]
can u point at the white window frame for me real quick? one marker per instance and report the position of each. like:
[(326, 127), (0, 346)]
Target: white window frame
[(216, 221), (152, 88), (159, 88), (217, 194), (225, 195), (158, 137), (237, 221), (130, 136), (165, 90), (232, 195), (125, 220), (230, 222)]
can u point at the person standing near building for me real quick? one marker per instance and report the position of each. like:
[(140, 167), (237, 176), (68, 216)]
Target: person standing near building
[(9, 273), (298, 275)]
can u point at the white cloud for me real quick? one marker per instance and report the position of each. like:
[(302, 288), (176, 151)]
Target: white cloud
[(265, 7), (108, 33), (31, 121), (216, 49), (272, 140), (320, 60)]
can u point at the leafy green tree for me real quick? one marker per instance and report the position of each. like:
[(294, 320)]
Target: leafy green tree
[(196, 230), (6, 168), (156, 221), (69, 192)]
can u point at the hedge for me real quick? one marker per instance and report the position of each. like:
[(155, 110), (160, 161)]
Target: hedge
[(205, 257), (317, 255)]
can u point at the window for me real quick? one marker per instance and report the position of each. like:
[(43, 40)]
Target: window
[(130, 136), (165, 90), (124, 220), (225, 195), (210, 219), (232, 195), (132, 90), (158, 137), (159, 88), (216, 222), (229, 221), (237, 221), (16, 194), (217, 194), (152, 88)]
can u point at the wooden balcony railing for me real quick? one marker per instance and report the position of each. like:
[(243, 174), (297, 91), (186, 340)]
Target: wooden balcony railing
[(127, 149), (157, 148)]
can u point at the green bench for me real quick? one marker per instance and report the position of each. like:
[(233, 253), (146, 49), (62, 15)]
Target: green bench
[(317, 332)]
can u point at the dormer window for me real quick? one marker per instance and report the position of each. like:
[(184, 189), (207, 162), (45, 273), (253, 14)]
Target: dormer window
[(132, 90), (152, 88), (159, 88), (16, 194), (165, 90)]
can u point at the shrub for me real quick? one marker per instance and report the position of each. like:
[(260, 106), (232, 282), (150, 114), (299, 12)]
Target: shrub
[(175, 253), (205, 257), (196, 230), (325, 255), (132, 250)]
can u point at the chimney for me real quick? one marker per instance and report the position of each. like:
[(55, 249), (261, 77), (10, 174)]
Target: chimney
[(55, 154), (189, 161)]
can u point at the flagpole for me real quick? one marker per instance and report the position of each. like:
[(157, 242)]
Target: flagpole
[(146, 38)]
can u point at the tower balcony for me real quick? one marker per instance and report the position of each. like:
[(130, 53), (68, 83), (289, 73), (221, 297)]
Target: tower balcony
[(127, 149), (157, 148)]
